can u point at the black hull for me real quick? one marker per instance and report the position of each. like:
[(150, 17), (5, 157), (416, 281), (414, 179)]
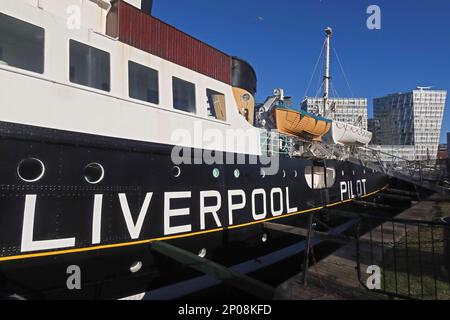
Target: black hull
[(64, 204)]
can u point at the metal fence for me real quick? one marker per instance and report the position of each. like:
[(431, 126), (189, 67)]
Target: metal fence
[(412, 258), (274, 143)]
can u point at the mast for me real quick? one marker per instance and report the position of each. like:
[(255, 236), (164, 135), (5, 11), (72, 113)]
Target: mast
[(326, 80)]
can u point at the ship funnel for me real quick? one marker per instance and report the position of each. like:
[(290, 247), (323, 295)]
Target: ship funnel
[(147, 6)]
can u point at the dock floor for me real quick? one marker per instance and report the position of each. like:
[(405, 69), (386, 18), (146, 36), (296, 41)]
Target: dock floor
[(335, 277)]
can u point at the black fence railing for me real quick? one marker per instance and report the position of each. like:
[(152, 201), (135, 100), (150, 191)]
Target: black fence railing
[(448, 169), (407, 259)]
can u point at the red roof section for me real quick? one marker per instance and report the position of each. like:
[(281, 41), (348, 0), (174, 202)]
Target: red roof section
[(140, 30)]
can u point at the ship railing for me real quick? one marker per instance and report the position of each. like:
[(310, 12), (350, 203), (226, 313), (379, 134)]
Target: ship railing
[(430, 169), (431, 174), (276, 143)]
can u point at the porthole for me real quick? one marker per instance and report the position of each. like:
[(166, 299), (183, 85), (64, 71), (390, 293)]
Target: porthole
[(176, 172), (136, 267), (31, 170), (237, 173), (202, 253), (94, 173), (263, 173), (264, 238), (246, 97), (216, 173), (343, 173)]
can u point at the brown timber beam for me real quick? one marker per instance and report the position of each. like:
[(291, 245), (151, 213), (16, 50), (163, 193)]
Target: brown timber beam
[(401, 192), (304, 233), (227, 275), (372, 204), (396, 197)]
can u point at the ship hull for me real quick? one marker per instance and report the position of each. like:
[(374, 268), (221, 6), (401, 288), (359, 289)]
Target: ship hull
[(61, 221)]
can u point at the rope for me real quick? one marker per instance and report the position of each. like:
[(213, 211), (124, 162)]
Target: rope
[(319, 89), (343, 72), (315, 68), (334, 90)]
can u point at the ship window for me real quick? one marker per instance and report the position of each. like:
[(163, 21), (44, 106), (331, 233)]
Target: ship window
[(21, 44), (216, 105), (89, 66), (320, 177), (183, 95), (143, 83)]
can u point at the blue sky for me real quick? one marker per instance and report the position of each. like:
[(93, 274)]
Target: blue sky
[(282, 39)]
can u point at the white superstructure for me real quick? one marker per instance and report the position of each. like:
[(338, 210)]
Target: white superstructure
[(37, 80)]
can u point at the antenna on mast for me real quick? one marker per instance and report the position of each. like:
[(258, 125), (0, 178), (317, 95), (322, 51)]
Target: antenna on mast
[(326, 80)]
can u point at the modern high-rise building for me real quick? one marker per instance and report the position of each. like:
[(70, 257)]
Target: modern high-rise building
[(348, 110), (411, 119), (373, 125)]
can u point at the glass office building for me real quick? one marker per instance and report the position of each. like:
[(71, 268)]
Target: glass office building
[(348, 110), (410, 119)]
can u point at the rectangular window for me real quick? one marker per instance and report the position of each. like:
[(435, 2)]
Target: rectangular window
[(183, 95), (89, 66), (216, 105), (21, 44), (143, 83)]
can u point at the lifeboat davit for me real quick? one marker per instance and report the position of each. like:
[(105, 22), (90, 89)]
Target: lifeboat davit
[(301, 123)]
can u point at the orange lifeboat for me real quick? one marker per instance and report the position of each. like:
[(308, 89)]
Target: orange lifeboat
[(301, 123)]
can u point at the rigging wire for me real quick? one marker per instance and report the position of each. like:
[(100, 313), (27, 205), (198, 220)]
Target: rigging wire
[(334, 90), (320, 83), (315, 68), (318, 90), (343, 72), (335, 93)]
